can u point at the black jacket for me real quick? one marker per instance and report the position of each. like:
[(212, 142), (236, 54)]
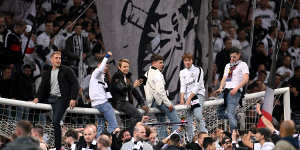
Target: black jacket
[(222, 59), (173, 147), (73, 56), (23, 88), (120, 89), (82, 144), (13, 48), (68, 84)]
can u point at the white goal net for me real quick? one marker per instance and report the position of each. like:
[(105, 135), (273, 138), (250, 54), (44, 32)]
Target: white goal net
[(13, 110)]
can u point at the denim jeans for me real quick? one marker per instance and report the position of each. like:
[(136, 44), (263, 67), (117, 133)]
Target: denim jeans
[(22, 111), (132, 113), (197, 113), (229, 112), (172, 115), (109, 115), (59, 107)]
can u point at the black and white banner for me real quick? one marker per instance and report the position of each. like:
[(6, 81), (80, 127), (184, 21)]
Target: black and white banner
[(135, 29)]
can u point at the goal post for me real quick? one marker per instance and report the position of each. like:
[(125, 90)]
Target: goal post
[(78, 117)]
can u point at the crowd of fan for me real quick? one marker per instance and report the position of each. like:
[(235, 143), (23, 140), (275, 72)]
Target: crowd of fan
[(23, 62), (26, 136)]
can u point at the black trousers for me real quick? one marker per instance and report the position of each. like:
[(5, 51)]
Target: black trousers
[(131, 112), (59, 107)]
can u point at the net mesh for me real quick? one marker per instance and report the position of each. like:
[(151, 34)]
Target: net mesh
[(10, 114)]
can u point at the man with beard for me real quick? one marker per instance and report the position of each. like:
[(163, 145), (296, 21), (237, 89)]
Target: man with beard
[(236, 75)]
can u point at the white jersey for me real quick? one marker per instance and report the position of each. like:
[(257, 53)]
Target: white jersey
[(44, 40), (191, 81), (282, 70), (267, 16), (235, 74), (155, 88), (97, 87), (269, 44)]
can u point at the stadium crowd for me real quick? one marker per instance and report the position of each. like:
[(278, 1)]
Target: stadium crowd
[(23, 63)]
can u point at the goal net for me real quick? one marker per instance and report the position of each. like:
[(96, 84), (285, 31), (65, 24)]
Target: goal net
[(13, 110)]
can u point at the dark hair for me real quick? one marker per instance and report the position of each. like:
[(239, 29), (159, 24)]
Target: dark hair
[(48, 21), (201, 133), (4, 140), (175, 138), (208, 141), (297, 68), (293, 39), (25, 125), (234, 50), (20, 24), (226, 39), (264, 72), (259, 43), (72, 133), (272, 29), (265, 132), (224, 140), (122, 133), (156, 57), (27, 66)]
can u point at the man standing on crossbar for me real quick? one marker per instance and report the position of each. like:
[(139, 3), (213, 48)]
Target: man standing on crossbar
[(236, 75), (60, 88)]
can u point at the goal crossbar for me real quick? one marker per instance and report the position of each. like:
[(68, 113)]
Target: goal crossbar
[(285, 91)]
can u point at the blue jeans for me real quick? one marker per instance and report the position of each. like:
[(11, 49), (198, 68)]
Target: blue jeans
[(22, 111), (172, 115), (197, 113), (109, 115), (229, 112)]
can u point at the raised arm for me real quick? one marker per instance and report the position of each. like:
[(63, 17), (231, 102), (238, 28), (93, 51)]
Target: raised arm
[(101, 67)]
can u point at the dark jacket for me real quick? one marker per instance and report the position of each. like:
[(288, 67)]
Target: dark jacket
[(222, 59), (82, 144), (13, 48), (67, 81), (120, 89), (5, 88), (23, 88), (193, 146), (73, 56), (173, 147)]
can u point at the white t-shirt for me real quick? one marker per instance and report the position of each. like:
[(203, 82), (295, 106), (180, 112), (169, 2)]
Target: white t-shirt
[(237, 74), (267, 16), (282, 70), (265, 146), (245, 50)]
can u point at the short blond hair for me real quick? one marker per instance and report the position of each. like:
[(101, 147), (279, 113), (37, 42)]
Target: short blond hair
[(123, 60), (55, 53)]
